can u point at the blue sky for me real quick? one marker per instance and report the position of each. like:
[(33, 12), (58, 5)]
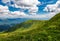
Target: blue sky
[(41, 7)]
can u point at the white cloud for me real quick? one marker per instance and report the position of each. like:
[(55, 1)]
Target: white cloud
[(42, 16), (50, 8), (27, 2), (5, 1), (3, 9), (31, 5), (18, 13), (53, 7), (5, 13)]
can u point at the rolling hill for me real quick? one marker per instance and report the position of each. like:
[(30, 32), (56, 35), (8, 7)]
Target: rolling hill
[(34, 30)]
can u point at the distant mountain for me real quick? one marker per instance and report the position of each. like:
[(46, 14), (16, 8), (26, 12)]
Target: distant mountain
[(12, 21), (7, 23), (34, 30)]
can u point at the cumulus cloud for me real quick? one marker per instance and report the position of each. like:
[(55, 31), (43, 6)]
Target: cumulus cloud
[(3, 9), (31, 5), (53, 7), (18, 13), (42, 16), (5, 1), (5, 13)]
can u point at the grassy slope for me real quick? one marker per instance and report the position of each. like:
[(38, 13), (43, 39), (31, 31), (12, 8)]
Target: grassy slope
[(34, 30)]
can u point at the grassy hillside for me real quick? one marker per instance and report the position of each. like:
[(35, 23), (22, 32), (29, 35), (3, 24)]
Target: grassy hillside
[(34, 30)]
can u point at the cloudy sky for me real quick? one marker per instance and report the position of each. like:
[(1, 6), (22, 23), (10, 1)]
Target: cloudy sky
[(36, 9)]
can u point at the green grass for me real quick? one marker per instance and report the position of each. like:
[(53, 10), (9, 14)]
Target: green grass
[(34, 30)]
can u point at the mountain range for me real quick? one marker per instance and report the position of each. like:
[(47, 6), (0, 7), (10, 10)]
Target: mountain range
[(7, 23)]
